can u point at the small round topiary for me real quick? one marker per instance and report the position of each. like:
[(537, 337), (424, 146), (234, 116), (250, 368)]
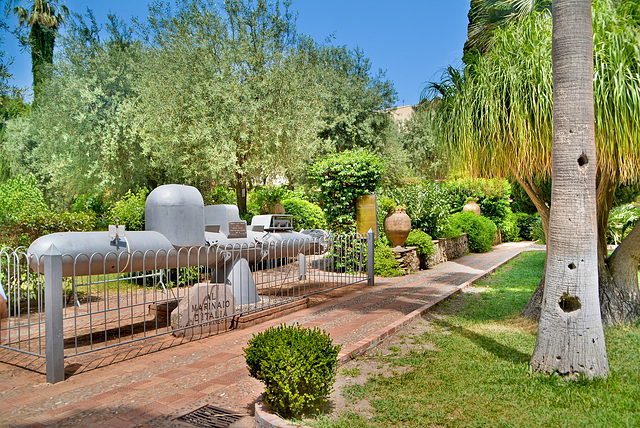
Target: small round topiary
[(297, 366)]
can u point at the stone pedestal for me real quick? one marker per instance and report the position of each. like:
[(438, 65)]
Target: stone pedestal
[(407, 258)]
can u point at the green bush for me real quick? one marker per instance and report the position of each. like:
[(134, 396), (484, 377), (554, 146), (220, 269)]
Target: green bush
[(494, 191), (306, 215), (22, 230), (384, 262), (297, 366), (509, 228), (342, 178), (130, 210), (537, 231), (95, 205), (261, 198), (24, 215), (429, 206), (621, 220), (422, 241), (494, 198), (481, 230), (526, 223), (219, 196), (21, 195)]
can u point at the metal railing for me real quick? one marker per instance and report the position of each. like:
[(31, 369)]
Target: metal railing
[(186, 292)]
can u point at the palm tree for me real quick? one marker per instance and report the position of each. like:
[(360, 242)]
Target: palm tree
[(570, 336), (499, 124), (45, 18), (485, 16)]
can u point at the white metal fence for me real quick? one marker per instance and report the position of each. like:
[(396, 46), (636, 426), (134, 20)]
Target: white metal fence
[(59, 306)]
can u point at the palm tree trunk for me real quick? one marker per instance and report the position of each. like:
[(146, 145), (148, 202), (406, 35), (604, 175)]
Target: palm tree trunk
[(570, 336)]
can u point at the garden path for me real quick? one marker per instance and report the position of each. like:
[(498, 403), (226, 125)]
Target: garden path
[(155, 389)]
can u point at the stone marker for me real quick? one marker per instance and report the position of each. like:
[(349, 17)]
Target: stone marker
[(240, 278), (4, 311), (202, 307)]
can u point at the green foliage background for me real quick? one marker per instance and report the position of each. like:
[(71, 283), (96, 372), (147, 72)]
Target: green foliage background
[(342, 178)]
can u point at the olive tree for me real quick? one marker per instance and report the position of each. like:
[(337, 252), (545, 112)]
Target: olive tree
[(83, 134), (228, 94)]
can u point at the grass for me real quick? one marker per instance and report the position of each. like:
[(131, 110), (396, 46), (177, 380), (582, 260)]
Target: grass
[(479, 373)]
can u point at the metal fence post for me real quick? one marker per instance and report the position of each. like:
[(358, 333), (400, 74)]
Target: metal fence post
[(52, 260), (370, 256), (302, 267)]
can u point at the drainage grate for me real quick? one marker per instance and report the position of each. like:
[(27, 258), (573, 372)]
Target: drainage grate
[(211, 417)]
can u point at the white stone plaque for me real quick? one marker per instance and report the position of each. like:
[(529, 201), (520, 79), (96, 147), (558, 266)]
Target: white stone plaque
[(202, 307)]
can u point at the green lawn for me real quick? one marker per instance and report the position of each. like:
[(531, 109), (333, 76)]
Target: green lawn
[(479, 374)]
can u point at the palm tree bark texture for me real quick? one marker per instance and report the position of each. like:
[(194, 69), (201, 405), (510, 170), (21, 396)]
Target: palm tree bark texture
[(570, 335)]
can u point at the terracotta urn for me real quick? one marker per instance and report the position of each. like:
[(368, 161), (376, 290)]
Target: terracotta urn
[(397, 226), (472, 205)]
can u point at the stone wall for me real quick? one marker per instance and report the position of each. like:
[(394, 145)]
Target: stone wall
[(448, 249), (407, 258)]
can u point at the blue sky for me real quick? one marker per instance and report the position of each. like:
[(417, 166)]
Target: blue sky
[(413, 40)]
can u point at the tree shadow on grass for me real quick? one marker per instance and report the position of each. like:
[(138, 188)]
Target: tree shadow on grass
[(496, 348)]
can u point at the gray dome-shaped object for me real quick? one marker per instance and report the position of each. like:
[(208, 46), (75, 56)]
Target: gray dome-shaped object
[(177, 212)]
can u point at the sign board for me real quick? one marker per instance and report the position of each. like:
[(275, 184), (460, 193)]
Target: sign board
[(367, 214), (237, 229)]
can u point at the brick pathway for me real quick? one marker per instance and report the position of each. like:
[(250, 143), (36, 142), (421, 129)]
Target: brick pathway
[(154, 389)]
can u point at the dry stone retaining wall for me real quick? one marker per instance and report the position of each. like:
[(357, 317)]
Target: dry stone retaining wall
[(448, 249)]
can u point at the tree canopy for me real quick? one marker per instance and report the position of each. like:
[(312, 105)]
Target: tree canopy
[(204, 94)]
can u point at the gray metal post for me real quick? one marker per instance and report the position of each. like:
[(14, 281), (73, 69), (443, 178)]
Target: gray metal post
[(52, 260), (370, 256), (302, 268)]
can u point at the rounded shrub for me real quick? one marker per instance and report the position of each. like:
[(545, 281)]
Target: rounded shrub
[(306, 215), (384, 262), (297, 366), (481, 230), (422, 241)]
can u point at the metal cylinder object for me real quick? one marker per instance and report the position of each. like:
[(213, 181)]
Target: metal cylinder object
[(177, 212)]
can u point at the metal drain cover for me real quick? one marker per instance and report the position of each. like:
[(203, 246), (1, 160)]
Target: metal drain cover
[(211, 417)]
